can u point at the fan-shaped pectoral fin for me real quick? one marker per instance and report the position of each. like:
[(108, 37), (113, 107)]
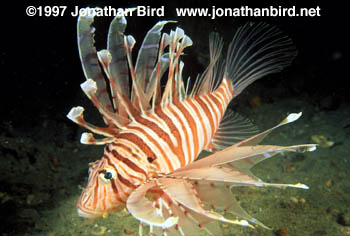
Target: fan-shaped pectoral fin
[(144, 210)]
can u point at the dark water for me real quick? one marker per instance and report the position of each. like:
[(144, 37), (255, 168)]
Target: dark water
[(42, 164)]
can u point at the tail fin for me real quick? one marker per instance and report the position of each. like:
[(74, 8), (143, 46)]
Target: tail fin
[(257, 50)]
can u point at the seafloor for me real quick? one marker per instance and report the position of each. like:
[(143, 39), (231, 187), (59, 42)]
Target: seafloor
[(43, 166)]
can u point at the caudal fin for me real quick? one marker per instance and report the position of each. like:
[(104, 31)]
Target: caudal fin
[(257, 50)]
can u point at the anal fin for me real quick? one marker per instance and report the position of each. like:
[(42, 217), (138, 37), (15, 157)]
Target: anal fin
[(232, 129)]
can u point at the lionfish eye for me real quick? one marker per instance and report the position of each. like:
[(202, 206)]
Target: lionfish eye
[(107, 174)]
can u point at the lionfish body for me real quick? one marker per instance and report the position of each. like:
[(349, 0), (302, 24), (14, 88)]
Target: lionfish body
[(154, 134)]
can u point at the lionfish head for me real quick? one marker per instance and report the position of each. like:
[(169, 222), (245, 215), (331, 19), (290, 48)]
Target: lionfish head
[(99, 196)]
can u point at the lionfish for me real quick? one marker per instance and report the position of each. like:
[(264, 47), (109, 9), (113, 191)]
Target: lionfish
[(155, 131)]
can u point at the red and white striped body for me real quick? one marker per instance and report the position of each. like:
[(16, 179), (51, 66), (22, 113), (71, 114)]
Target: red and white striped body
[(161, 141), (174, 135)]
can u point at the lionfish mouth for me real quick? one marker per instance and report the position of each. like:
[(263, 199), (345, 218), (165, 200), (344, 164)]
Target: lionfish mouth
[(86, 213)]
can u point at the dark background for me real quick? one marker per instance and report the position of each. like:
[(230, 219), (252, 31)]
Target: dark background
[(41, 71)]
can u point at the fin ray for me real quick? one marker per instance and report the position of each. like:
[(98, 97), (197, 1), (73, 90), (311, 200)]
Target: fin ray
[(232, 129), (256, 50)]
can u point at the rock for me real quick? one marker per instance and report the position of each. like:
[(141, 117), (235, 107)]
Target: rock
[(328, 183), (29, 213), (282, 232), (334, 212), (344, 218), (319, 233)]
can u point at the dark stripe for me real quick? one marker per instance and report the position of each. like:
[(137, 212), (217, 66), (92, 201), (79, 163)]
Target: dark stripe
[(127, 149), (133, 138), (124, 72), (191, 123), (116, 47), (222, 91), (121, 59), (115, 190), (95, 199), (220, 94), (156, 129), (129, 106), (206, 98), (200, 119), (174, 131), (184, 131), (144, 146), (126, 182), (217, 103), (208, 115), (128, 162), (113, 183), (90, 58), (114, 164)]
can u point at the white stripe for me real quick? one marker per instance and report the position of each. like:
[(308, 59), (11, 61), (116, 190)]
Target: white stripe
[(221, 99), (124, 166), (163, 165), (188, 131), (216, 111), (120, 170), (163, 145), (212, 115), (178, 126), (121, 190), (200, 131), (226, 91), (205, 120), (162, 125)]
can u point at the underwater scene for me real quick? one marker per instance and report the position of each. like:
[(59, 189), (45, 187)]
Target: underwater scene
[(174, 118)]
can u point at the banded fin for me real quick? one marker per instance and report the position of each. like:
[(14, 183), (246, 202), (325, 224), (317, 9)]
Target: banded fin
[(224, 169), (180, 188), (118, 68), (89, 59), (209, 191), (184, 193), (76, 115), (147, 57), (153, 88), (216, 170), (117, 103), (139, 102), (189, 224), (88, 138), (232, 129), (259, 137), (143, 209), (178, 41), (89, 87)]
